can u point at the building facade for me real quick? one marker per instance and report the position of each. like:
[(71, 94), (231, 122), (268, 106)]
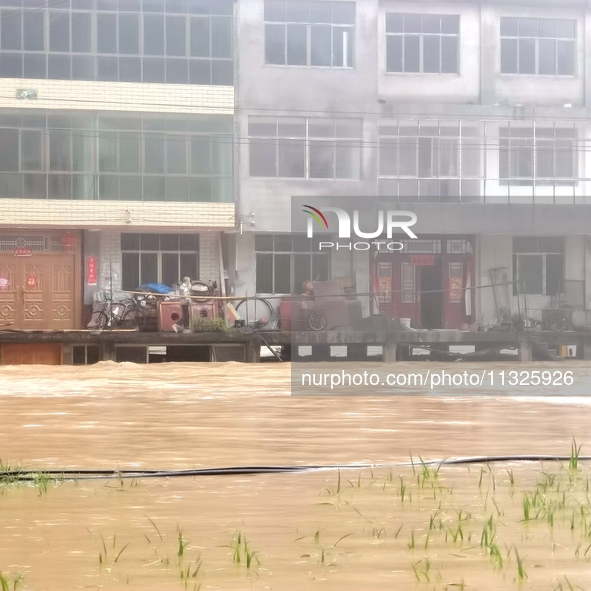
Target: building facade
[(472, 114), (116, 150)]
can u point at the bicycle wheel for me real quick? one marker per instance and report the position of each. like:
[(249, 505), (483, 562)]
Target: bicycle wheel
[(316, 321), (133, 319), (558, 322), (270, 310)]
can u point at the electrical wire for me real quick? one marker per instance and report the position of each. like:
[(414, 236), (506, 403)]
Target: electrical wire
[(83, 474)]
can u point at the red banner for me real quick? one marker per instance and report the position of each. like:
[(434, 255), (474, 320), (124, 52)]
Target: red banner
[(91, 271), (22, 252), (422, 260)]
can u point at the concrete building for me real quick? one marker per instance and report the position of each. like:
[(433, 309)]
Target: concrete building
[(472, 114), (116, 127)]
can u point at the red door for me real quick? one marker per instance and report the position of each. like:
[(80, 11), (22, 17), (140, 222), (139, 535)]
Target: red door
[(396, 288)]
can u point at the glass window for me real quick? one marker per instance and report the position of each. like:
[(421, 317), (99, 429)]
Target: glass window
[(82, 32), (35, 65), (221, 37), (153, 35), (176, 36), (31, 149), (59, 31), (154, 155), (60, 150), (33, 31), (106, 33), (10, 30), (8, 149), (129, 34)]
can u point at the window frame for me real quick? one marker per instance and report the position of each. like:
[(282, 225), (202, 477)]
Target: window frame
[(309, 24), (543, 254), (537, 38), (421, 36)]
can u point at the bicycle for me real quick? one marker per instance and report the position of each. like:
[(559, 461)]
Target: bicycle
[(127, 314)]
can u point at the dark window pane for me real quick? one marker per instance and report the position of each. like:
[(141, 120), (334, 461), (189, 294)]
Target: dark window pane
[(177, 188), (35, 186), (283, 242), (275, 10), (9, 150), (33, 31), (343, 13), (296, 45), (394, 53), (107, 156), (31, 149), (153, 35), (509, 26), (129, 33), (81, 32), (170, 268), (130, 187), (176, 34), (10, 30), (321, 50), (11, 65), (394, 23), (153, 70), (176, 155), (177, 71), (154, 155), (59, 31), (321, 160), (60, 151), (169, 242), (431, 24), (263, 242), (275, 44), (413, 23), (527, 56), (189, 242), (264, 273), (509, 56), (150, 242), (154, 188), (130, 270), (200, 37), (449, 55), (320, 267), (450, 24), (348, 161), (129, 153), (200, 155), (199, 72), (292, 158), (130, 69), (222, 73), (58, 67), (412, 54), (566, 58), (106, 68), (282, 268), (566, 29), (83, 151), (199, 189), (530, 273), (188, 265), (11, 185), (221, 155), (106, 33), (263, 158), (431, 54), (149, 268), (60, 186), (221, 37), (302, 270), (566, 159), (35, 65), (547, 56)]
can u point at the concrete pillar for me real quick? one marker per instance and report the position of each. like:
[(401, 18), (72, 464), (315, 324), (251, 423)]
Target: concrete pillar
[(107, 351), (252, 351), (390, 350), (587, 349), (525, 350)]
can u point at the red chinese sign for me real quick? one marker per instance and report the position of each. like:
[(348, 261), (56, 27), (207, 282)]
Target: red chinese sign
[(31, 281), (91, 271), (422, 260), (22, 252), (69, 240)]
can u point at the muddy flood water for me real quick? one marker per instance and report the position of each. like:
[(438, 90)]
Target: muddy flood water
[(510, 525)]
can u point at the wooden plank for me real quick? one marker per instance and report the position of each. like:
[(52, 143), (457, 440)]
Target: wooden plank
[(31, 353)]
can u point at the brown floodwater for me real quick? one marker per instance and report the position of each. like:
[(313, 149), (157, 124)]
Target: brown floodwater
[(385, 528)]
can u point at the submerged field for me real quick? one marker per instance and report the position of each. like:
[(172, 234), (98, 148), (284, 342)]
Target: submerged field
[(510, 525)]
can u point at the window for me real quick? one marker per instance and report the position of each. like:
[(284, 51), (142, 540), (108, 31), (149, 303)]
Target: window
[(538, 46), (536, 155), (538, 265), (285, 261), (300, 33), (296, 147), (429, 161), (126, 156), (422, 43), (81, 44), (158, 258)]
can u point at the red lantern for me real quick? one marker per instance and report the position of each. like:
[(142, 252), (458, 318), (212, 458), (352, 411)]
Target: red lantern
[(68, 240)]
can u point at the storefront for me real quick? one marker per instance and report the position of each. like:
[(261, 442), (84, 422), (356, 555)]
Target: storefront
[(430, 281), (40, 284)]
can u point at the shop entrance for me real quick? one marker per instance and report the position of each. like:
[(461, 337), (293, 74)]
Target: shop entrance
[(431, 296)]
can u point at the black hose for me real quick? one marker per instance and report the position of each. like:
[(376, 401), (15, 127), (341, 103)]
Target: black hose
[(29, 476)]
